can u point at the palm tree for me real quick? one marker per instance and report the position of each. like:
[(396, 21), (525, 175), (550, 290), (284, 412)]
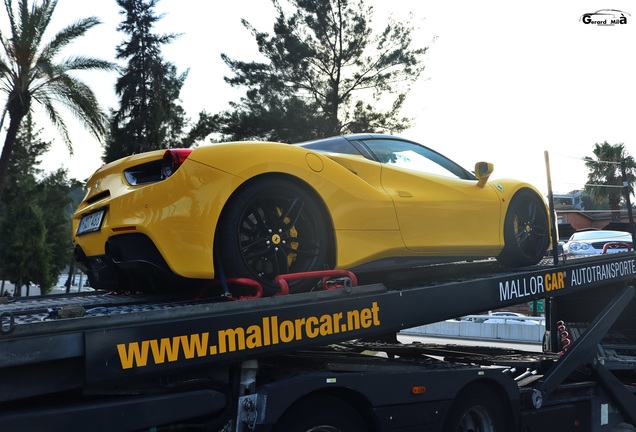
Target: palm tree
[(605, 180), (29, 73)]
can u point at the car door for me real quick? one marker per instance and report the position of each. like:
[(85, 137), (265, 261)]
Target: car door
[(440, 208)]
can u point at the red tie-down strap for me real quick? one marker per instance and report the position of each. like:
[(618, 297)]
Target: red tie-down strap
[(325, 275)]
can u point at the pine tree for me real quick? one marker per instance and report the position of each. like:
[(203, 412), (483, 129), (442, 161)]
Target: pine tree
[(54, 199), (149, 116), (25, 251), (326, 74)]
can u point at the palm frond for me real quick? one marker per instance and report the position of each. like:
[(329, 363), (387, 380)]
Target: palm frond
[(79, 99), (68, 35), (49, 105), (77, 63)]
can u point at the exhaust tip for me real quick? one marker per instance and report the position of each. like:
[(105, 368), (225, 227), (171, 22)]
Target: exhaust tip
[(113, 251)]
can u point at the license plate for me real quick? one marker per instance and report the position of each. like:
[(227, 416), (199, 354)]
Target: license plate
[(90, 223)]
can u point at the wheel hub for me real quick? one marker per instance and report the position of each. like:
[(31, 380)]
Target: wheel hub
[(274, 239)]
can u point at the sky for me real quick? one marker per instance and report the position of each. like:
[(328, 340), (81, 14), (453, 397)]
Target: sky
[(504, 82)]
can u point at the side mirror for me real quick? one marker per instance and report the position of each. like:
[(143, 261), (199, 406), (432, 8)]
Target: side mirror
[(482, 172)]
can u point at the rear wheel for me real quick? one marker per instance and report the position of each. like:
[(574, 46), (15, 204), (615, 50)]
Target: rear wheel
[(476, 409), (272, 227), (321, 414), (526, 230)]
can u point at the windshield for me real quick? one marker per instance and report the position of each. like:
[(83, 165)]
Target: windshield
[(412, 156)]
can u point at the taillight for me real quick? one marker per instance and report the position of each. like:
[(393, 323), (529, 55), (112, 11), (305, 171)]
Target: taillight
[(172, 160)]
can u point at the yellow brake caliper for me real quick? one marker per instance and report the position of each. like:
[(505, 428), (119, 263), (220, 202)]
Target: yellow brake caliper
[(293, 245)]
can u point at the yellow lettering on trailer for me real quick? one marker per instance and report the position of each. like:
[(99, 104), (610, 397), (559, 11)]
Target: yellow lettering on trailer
[(270, 331), (554, 281)]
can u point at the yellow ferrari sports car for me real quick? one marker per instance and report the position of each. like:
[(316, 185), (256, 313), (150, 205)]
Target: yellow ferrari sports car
[(365, 203)]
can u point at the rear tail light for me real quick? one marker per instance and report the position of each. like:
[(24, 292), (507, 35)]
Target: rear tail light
[(172, 160)]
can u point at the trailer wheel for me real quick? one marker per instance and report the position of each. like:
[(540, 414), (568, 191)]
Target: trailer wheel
[(476, 409), (526, 230), (321, 414), (273, 227)]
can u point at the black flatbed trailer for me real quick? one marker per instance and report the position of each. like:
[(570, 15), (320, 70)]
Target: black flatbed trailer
[(289, 363)]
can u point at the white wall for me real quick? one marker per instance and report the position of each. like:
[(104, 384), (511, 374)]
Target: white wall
[(475, 330)]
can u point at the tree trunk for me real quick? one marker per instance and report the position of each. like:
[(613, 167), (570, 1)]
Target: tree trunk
[(17, 110), (17, 291), (615, 205)]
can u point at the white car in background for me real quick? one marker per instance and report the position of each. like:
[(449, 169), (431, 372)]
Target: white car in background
[(597, 242), (510, 318)]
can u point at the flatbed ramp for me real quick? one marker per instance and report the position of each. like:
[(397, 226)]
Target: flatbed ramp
[(125, 336), (117, 356)]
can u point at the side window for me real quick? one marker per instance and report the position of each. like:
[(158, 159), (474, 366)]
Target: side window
[(334, 145), (415, 157)]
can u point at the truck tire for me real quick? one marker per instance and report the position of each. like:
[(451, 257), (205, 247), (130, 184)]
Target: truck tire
[(321, 414), (476, 409)]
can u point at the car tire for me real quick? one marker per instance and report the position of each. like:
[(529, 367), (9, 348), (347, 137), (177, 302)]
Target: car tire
[(273, 227), (526, 230)]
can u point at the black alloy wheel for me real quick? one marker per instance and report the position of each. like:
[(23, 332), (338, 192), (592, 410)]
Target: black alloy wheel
[(273, 227), (526, 230)]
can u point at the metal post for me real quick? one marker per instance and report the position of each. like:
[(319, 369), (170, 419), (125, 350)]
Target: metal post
[(553, 227), (551, 338), (626, 190)]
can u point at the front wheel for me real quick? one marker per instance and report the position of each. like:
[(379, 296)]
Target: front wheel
[(273, 227), (476, 409), (526, 230)]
